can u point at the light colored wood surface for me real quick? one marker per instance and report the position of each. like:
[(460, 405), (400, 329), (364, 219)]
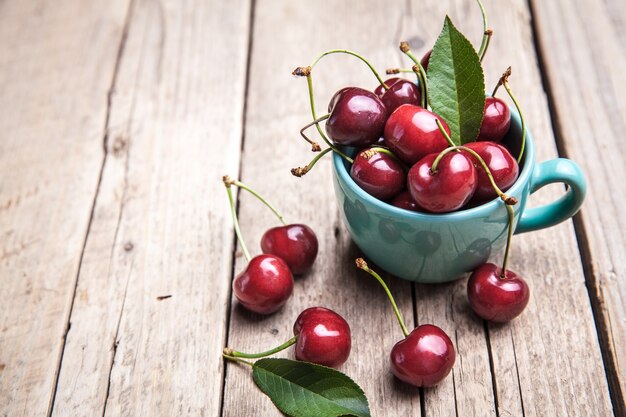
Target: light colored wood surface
[(589, 100), (52, 118), (148, 301)]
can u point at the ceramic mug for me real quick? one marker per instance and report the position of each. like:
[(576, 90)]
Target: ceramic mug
[(434, 248)]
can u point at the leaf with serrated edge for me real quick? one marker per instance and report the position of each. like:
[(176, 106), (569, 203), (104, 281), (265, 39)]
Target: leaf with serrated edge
[(456, 84), (302, 389)]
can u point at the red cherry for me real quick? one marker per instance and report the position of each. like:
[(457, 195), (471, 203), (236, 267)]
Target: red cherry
[(400, 92), (411, 133), (379, 174), (296, 244), (426, 59), (447, 189), (405, 201), (357, 117), (265, 285), (500, 162), (495, 298), (323, 337), (496, 120), (424, 358)]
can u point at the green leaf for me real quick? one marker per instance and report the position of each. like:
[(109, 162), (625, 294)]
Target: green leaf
[(302, 389), (456, 84)]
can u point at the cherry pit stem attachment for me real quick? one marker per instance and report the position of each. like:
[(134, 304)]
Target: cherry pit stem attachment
[(301, 171), (406, 49), (504, 81), (379, 149), (361, 264), (306, 72), (228, 352), (354, 54)]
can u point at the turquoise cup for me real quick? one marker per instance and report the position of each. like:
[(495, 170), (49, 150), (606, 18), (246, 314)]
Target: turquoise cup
[(435, 248)]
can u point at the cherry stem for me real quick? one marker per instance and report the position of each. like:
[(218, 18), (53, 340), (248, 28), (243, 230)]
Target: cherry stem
[(315, 147), (504, 80), (486, 35), (235, 354), (300, 171), (444, 133), (309, 80), (422, 83), (489, 34), (233, 210), (345, 51), (240, 184), (234, 359), (508, 241), (361, 264), (404, 47), (391, 71), (368, 153)]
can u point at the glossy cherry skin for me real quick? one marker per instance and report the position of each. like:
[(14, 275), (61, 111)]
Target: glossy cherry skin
[(424, 358), (323, 337), (265, 285), (426, 59), (448, 189), (411, 133), (400, 92), (357, 117), (494, 298), (296, 244), (500, 162), (405, 201), (496, 120), (379, 174)]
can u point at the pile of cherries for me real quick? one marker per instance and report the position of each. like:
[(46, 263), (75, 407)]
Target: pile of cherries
[(398, 141)]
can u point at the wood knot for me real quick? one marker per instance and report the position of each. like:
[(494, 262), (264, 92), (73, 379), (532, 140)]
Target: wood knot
[(119, 146), (128, 246)]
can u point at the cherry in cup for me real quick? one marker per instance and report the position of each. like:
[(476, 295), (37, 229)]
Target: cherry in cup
[(501, 163), (400, 92), (496, 120), (321, 336), (378, 172), (425, 356)]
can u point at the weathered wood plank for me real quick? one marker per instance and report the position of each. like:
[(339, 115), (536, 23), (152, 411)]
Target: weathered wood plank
[(584, 54), (149, 317), (288, 34), (56, 64)]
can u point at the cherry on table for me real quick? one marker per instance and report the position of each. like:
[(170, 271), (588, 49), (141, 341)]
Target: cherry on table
[(424, 358), (446, 187), (401, 91), (265, 285), (411, 132), (378, 173), (296, 244), (503, 167), (496, 120), (357, 117), (323, 337), (495, 296)]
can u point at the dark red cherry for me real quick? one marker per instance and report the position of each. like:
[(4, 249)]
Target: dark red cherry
[(357, 117), (426, 59), (323, 337), (296, 244), (405, 201), (447, 189), (424, 358), (265, 285), (411, 133), (500, 162), (400, 92), (379, 174), (496, 120), (495, 298)]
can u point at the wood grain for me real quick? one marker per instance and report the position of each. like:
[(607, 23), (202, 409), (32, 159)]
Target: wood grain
[(585, 65), (148, 323), (56, 65)]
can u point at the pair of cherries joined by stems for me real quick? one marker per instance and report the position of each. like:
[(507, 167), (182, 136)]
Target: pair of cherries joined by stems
[(267, 281)]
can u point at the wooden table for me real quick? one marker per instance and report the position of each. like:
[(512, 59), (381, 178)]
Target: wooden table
[(117, 250)]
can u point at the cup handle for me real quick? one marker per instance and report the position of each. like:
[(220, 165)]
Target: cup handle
[(549, 172)]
